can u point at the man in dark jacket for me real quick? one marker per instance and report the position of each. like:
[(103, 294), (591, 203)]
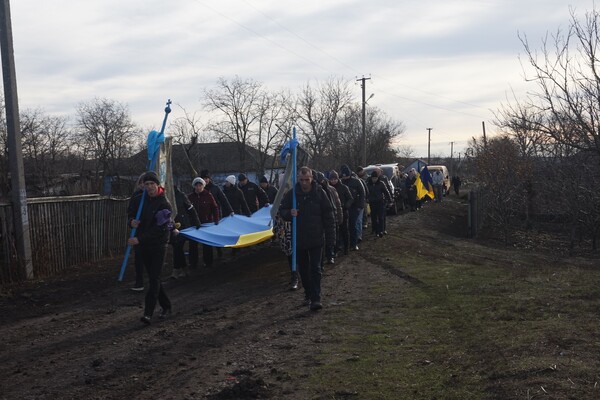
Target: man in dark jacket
[(270, 190), (235, 197), (315, 222), (185, 218), (337, 211), (358, 194), (255, 197), (153, 230), (362, 176), (346, 200), (379, 196), (208, 211)]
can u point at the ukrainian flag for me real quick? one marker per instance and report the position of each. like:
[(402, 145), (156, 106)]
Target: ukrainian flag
[(234, 231), (424, 184)]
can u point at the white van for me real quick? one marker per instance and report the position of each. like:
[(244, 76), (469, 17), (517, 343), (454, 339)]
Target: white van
[(433, 168)]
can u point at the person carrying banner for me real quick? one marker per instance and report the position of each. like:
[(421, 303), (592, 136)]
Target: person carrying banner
[(315, 225), (152, 235), (208, 211), (186, 217), (255, 197)]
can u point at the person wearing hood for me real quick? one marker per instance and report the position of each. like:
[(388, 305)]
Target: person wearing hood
[(208, 211), (152, 235), (315, 225), (235, 197)]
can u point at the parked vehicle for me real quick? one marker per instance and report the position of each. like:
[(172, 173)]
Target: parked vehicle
[(393, 174), (433, 168)]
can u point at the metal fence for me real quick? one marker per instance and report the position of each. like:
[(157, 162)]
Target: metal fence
[(64, 231)]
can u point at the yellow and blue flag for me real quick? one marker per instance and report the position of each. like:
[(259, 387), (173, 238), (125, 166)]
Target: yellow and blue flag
[(424, 184), (234, 231)]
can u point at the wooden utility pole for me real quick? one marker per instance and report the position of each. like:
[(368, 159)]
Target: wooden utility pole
[(15, 155), (452, 158), (429, 146), (364, 119), (484, 138)]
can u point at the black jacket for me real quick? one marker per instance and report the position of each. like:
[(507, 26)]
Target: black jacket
[(378, 192), (315, 216), (254, 195), (186, 213), (357, 190), (236, 199), (220, 198), (155, 221)]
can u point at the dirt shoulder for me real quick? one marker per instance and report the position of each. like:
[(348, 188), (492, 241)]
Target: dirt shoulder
[(416, 314)]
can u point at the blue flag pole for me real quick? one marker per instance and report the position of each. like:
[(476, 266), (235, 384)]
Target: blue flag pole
[(154, 141), (294, 172)]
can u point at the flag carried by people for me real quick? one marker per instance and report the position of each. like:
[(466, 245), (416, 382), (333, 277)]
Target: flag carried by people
[(424, 184), (234, 231)]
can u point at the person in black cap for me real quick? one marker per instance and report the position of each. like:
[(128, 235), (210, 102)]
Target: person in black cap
[(379, 196), (346, 200), (270, 190), (361, 223), (254, 195), (152, 235)]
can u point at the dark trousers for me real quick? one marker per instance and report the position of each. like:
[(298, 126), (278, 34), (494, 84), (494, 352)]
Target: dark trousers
[(154, 258), (139, 268), (207, 254), (343, 240), (377, 217), (309, 266), (353, 215), (179, 261)]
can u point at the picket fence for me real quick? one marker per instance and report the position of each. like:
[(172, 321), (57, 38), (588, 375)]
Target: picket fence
[(64, 231)]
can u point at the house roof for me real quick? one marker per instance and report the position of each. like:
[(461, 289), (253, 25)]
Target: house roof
[(223, 157)]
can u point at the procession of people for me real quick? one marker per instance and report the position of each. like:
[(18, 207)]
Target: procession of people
[(331, 210)]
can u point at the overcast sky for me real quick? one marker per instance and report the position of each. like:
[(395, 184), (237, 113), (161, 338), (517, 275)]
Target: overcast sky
[(441, 64)]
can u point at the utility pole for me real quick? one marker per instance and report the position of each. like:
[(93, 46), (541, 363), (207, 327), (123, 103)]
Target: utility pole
[(452, 158), (15, 155), (363, 85), (429, 146), (484, 138)]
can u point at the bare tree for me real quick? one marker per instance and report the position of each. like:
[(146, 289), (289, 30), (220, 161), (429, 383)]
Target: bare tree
[(237, 103), (568, 83), (274, 122), (320, 111), (105, 135), (187, 132), (46, 141)]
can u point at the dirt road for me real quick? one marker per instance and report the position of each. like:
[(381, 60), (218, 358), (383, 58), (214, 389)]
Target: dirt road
[(236, 331)]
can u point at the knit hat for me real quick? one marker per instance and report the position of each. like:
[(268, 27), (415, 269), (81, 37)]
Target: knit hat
[(345, 171), (320, 177), (197, 181), (231, 179), (263, 180), (333, 175), (241, 177), (204, 174), (151, 176)]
